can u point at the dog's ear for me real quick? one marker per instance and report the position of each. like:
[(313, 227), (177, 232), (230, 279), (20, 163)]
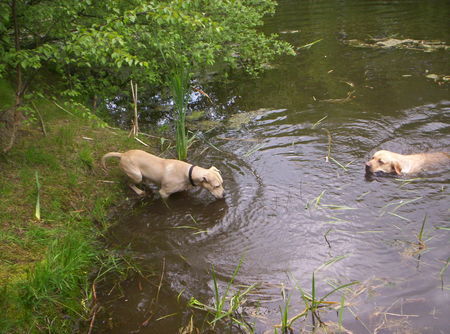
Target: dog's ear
[(215, 169), (219, 174), (396, 166)]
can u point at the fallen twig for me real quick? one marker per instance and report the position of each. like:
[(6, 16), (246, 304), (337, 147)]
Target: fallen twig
[(91, 325), (161, 279), (240, 139), (146, 145), (346, 99), (134, 123), (203, 93), (63, 109), (40, 119)]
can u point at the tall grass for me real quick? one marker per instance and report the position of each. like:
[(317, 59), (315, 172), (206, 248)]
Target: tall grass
[(55, 282), (179, 86)]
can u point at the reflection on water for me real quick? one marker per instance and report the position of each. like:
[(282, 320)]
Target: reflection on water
[(288, 208)]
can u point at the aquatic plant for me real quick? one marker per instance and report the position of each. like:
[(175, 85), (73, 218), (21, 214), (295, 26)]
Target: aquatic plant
[(442, 272), (226, 305), (420, 235), (286, 323), (179, 86), (314, 303)]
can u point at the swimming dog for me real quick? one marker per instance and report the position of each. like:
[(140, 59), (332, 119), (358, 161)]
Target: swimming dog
[(386, 162)]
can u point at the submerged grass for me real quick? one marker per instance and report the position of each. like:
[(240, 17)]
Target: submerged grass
[(313, 303), (442, 272), (226, 303), (52, 211), (286, 323)]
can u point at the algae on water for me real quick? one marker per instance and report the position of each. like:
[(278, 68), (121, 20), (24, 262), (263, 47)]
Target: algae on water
[(410, 44)]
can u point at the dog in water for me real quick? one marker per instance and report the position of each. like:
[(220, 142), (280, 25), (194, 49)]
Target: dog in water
[(386, 162), (171, 175)]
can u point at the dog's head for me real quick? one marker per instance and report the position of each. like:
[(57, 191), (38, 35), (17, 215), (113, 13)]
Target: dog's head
[(212, 181), (384, 162)]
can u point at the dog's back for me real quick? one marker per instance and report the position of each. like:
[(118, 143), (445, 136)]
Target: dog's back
[(433, 159)]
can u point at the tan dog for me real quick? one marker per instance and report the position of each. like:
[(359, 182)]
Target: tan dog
[(171, 175), (393, 163)]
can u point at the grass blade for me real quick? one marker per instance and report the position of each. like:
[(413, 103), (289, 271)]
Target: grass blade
[(420, 235), (336, 289), (307, 46), (332, 261), (341, 312), (318, 122), (37, 212)]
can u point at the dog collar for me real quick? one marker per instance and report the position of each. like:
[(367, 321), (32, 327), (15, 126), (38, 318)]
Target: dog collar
[(190, 175)]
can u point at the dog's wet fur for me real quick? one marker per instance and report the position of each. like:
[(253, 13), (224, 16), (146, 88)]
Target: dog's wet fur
[(386, 163)]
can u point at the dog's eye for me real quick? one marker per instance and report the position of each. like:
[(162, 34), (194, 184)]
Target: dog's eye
[(380, 161)]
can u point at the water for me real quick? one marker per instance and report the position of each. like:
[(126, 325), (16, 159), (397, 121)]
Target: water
[(288, 210)]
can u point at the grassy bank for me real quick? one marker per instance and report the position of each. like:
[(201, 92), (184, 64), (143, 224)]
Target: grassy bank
[(47, 265)]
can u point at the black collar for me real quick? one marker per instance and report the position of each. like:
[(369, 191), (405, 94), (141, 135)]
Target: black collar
[(190, 175)]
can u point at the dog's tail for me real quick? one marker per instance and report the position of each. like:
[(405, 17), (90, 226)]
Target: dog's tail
[(109, 155)]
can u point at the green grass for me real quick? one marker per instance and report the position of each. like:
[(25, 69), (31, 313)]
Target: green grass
[(86, 158), (39, 156), (55, 281), (48, 232), (65, 137)]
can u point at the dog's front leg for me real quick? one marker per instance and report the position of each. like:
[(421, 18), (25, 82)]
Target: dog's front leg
[(164, 194)]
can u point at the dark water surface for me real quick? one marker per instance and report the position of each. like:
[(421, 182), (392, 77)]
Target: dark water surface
[(288, 210)]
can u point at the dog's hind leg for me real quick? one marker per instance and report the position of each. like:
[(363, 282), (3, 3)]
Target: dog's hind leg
[(136, 189), (136, 177)]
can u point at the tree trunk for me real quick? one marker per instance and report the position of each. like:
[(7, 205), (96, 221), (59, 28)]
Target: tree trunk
[(18, 116)]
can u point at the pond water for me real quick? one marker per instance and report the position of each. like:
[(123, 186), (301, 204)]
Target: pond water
[(289, 210)]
